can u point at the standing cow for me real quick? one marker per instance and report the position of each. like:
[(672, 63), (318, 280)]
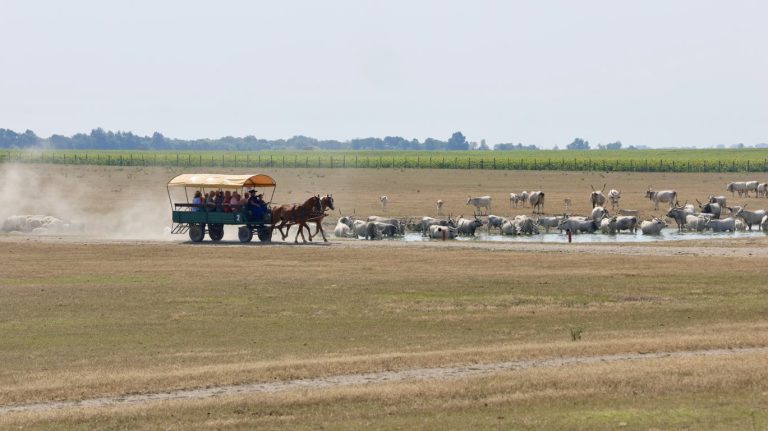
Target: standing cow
[(737, 187), (439, 204), (536, 199), (669, 196), (466, 226), (384, 199), (480, 202), (597, 197), (614, 196)]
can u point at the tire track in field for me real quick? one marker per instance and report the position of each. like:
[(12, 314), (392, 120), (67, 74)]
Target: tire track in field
[(438, 373)]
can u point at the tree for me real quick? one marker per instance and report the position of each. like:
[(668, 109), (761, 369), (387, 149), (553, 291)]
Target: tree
[(578, 144), (483, 145), (613, 146), (458, 142)]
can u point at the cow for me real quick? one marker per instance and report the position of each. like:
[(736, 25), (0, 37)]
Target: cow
[(697, 222), (365, 229), (740, 225), (568, 204), (387, 229), (599, 213), (427, 222), (762, 190), (652, 227), (679, 215), (549, 222), (495, 222), (626, 223), (437, 232), (508, 228), (480, 202), (750, 217), (723, 225), (764, 224), (514, 199), (737, 187), (625, 212), (384, 199), (439, 205), (661, 196), (597, 197), (720, 200), (343, 227), (399, 224), (711, 208), (608, 225), (466, 226), (524, 198), (576, 225), (614, 196), (536, 199), (525, 225), (752, 187)]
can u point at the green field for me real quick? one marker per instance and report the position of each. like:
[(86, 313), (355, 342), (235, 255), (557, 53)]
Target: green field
[(698, 160)]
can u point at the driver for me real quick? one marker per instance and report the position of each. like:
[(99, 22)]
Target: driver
[(256, 204)]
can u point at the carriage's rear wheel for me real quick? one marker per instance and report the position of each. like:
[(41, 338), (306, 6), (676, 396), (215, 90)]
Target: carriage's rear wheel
[(265, 234), (216, 231), (196, 232), (245, 234)]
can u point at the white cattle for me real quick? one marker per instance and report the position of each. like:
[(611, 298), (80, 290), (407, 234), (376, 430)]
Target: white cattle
[(750, 217), (399, 224), (599, 213), (764, 224), (440, 232), (549, 222), (597, 197), (536, 199), (343, 227), (525, 225), (427, 222), (762, 190), (669, 196), (480, 202), (752, 187), (384, 199), (514, 199), (614, 196), (524, 198), (508, 228), (737, 187), (652, 227), (697, 223), (740, 225), (439, 204), (724, 225), (608, 225)]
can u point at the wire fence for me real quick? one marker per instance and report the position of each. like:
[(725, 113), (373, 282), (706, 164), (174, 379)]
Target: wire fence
[(345, 161)]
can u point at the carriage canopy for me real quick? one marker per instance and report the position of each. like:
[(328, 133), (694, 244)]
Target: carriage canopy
[(223, 181)]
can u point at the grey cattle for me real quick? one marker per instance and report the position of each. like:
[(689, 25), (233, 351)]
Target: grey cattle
[(652, 227), (437, 232), (365, 229), (495, 221), (614, 196), (400, 224), (599, 213), (678, 214), (737, 187), (669, 196), (752, 187), (762, 190), (711, 208), (387, 229), (724, 225), (525, 225), (466, 226), (524, 198), (720, 200), (698, 223), (750, 217), (576, 225), (626, 223), (536, 199), (597, 197), (625, 212), (480, 202), (549, 222), (427, 222)]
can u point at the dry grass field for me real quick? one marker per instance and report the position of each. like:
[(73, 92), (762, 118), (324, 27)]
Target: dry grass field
[(99, 316)]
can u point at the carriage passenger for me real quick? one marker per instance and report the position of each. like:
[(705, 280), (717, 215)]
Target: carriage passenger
[(219, 201), (197, 201), (234, 201), (210, 198), (227, 199)]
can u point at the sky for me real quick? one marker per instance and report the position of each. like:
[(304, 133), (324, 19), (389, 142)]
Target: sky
[(657, 73)]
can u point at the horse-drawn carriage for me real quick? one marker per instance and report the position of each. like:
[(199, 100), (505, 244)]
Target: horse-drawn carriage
[(200, 218), (197, 219)]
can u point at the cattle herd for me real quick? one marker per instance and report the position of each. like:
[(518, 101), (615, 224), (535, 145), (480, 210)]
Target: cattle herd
[(714, 214)]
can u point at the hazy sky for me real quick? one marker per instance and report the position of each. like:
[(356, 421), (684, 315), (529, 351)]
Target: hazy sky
[(658, 73)]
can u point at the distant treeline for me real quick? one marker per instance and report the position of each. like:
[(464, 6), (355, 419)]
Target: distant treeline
[(100, 139)]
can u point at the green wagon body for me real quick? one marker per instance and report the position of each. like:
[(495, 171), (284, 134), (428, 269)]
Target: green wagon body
[(241, 217)]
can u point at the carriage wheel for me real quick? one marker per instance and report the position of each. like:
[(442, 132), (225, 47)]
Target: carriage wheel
[(245, 234), (265, 234), (196, 232), (216, 231)]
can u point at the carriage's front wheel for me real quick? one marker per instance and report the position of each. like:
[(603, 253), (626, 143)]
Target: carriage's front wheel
[(245, 234), (196, 232)]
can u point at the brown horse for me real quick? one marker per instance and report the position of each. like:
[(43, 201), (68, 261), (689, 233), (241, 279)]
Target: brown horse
[(326, 202), (289, 215)]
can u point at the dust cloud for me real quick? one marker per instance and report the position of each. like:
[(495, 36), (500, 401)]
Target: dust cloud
[(93, 201)]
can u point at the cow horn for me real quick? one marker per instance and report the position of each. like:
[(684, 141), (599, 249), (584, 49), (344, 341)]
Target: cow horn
[(605, 184), (592, 187)]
